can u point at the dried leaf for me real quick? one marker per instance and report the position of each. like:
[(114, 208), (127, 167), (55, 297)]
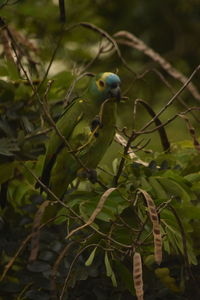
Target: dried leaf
[(122, 141)]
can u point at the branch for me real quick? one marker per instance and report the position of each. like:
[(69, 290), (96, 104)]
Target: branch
[(163, 135), (172, 99), (168, 121), (104, 34), (62, 11), (138, 44)]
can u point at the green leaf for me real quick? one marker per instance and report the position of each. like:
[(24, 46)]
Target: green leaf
[(176, 241), (28, 126), (7, 91), (157, 187), (8, 146), (145, 184), (6, 171), (107, 265), (174, 189), (114, 205), (194, 177), (125, 275), (90, 259), (190, 212), (61, 216), (38, 266), (12, 70), (109, 271), (17, 191)]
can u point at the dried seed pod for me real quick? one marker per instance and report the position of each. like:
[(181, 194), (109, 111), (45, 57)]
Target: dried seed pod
[(137, 276), (156, 226)]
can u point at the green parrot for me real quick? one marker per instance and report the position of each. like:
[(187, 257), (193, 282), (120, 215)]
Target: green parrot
[(88, 125)]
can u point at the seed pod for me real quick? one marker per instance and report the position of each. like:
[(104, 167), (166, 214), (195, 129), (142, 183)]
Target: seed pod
[(156, 226), (137, 276)]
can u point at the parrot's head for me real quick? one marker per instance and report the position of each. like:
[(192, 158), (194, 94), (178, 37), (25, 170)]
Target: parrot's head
[(106, 85)]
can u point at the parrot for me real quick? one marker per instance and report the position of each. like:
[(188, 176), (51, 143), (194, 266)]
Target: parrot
[(88, 125)]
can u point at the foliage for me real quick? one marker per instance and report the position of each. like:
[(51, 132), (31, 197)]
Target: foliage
[(146, 198)]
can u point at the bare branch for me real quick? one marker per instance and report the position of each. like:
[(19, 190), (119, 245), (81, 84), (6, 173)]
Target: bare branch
[(62, 11), (133, 41), (172, 99)]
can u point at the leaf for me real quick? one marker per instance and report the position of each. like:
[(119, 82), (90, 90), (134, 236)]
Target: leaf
[(34, 294), (107, 265), (12, 70), (176, 241), (191, 212), (109, 271), (6, 171), (90, 259), (8, 146), (47, 256), (38, 267), (145, 184), (157, 187), (87, 207), (6, 128), (7, 91), (95, 213), (174, 189), (27, 124), (193, 177), (17, 191), (125, 275)]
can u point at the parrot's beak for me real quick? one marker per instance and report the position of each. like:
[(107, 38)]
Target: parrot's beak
[(116, 93)]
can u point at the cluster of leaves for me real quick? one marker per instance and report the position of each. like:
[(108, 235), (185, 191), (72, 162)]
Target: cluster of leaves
[(91, 245), (51, 263)]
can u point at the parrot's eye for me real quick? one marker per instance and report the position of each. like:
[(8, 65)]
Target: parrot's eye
[(101, 83)]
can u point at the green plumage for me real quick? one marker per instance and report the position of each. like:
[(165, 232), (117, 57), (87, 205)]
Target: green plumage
[(77, 125)]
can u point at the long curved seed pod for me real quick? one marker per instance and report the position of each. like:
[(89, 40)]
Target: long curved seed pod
[(156, 226)]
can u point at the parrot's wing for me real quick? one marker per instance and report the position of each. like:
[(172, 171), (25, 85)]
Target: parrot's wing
[(66, 124)]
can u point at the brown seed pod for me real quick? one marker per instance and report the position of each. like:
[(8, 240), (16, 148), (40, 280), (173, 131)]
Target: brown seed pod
[(156, 226), (137, 276)]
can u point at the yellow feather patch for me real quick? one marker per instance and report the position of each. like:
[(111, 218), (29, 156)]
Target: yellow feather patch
[(102, 78), (105, 75)]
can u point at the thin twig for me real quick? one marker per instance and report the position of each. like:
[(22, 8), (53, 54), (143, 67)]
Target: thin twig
[(56, 265), (172, 99), (133, 41), (71, 88), (135, 134), (168, 121)]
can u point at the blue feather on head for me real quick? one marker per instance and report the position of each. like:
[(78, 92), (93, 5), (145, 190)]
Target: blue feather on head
[(106, 85)]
